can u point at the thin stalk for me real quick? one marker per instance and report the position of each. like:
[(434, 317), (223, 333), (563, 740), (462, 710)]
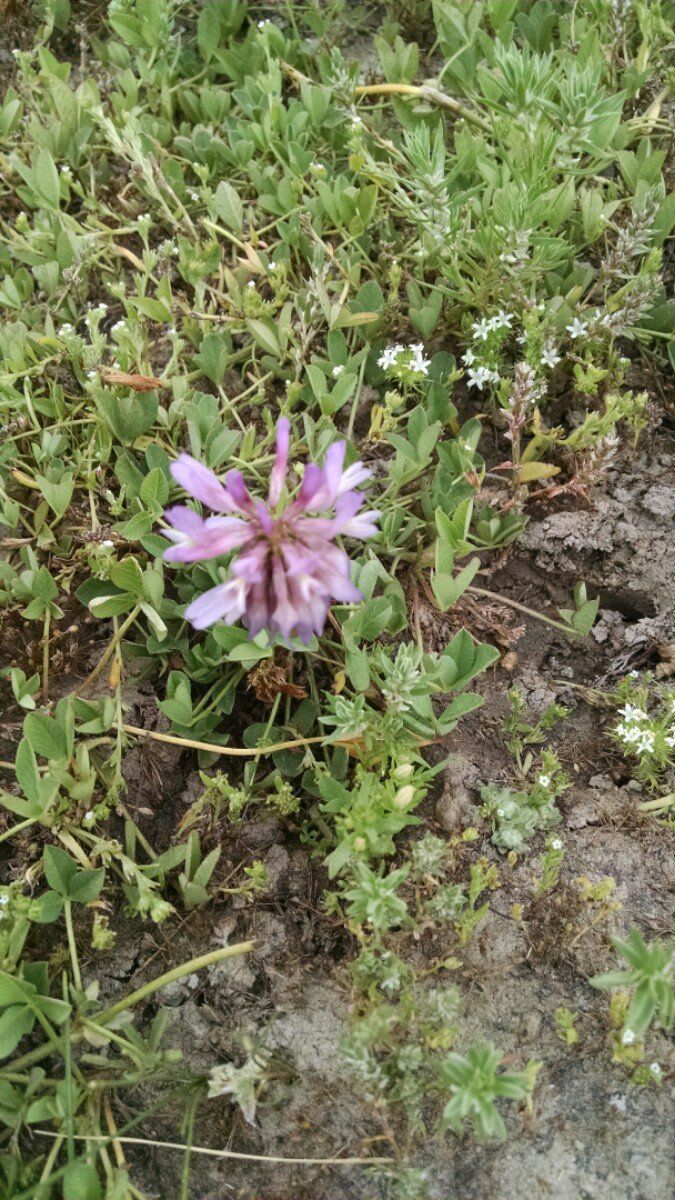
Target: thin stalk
[(424, 93), (45, 656), (68, 1076), (9, 833), (268, 1158), (195, 964), (213, 748), (110, 650), (531, 612), (34, 1056), (68, 914)]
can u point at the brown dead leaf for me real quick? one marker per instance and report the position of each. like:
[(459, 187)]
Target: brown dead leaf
[(139, 383)]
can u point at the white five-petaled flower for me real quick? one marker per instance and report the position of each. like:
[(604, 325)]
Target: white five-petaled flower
[(481, 329), (549, 358), (577, 328), (478, 376), (389, 355), (655, 1069), (544, 780), (556, 844), (627, 1037), (337, 371), (630, 712), (419, 363), (468, 358), (501, 320)]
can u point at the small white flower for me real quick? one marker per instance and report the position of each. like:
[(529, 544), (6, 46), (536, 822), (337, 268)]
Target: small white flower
[(107, 544), (389, 355), (4, 901), (556, 844), (65, 169), (251, 283), (481, 329), (645, 742), (544, 780), (337, 371), (577, 328), (655, 1069), (630, 712), (627, 1037), (501, 320), (419, 363), (468, 358), (549, 358), (262, 24), (194, 196), (478, 377), (357, 120), (89, 816), (669, 739), (634, 674), (92, 374)]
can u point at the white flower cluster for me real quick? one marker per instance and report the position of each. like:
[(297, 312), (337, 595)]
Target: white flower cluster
[(632, 731), (417, 363), (501, 320), (478, 376)]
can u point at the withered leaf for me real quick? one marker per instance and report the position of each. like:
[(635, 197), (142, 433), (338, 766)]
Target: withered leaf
[(139, 383)]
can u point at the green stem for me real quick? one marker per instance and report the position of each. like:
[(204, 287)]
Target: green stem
[(206, 960), (68, 914), (195, 964), (9, 833), (45, 656)]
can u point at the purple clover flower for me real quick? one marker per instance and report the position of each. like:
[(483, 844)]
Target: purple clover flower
[(288, 569)]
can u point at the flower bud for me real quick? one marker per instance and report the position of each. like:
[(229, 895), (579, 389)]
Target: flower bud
[(359, 845), (404, 796), (404, 771)]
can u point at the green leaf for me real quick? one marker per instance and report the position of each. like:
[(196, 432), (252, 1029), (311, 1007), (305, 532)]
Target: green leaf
[(46, 179), (86, 885), (81, 1182), (448, 588), (14, 1023), (27, 774), (265, 334), (127, 576), (59, 869), (357, 666), (45, 736), (111, 606), (208, 31), (228, 206)]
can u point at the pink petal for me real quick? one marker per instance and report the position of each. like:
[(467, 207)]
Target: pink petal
[(227, 601), (201, 483), (278, 475)]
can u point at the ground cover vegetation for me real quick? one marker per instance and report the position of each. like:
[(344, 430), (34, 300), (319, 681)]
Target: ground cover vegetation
[(308, 311)]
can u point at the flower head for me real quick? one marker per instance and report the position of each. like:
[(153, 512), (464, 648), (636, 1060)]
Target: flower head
[(288, 568), (577, 328)]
